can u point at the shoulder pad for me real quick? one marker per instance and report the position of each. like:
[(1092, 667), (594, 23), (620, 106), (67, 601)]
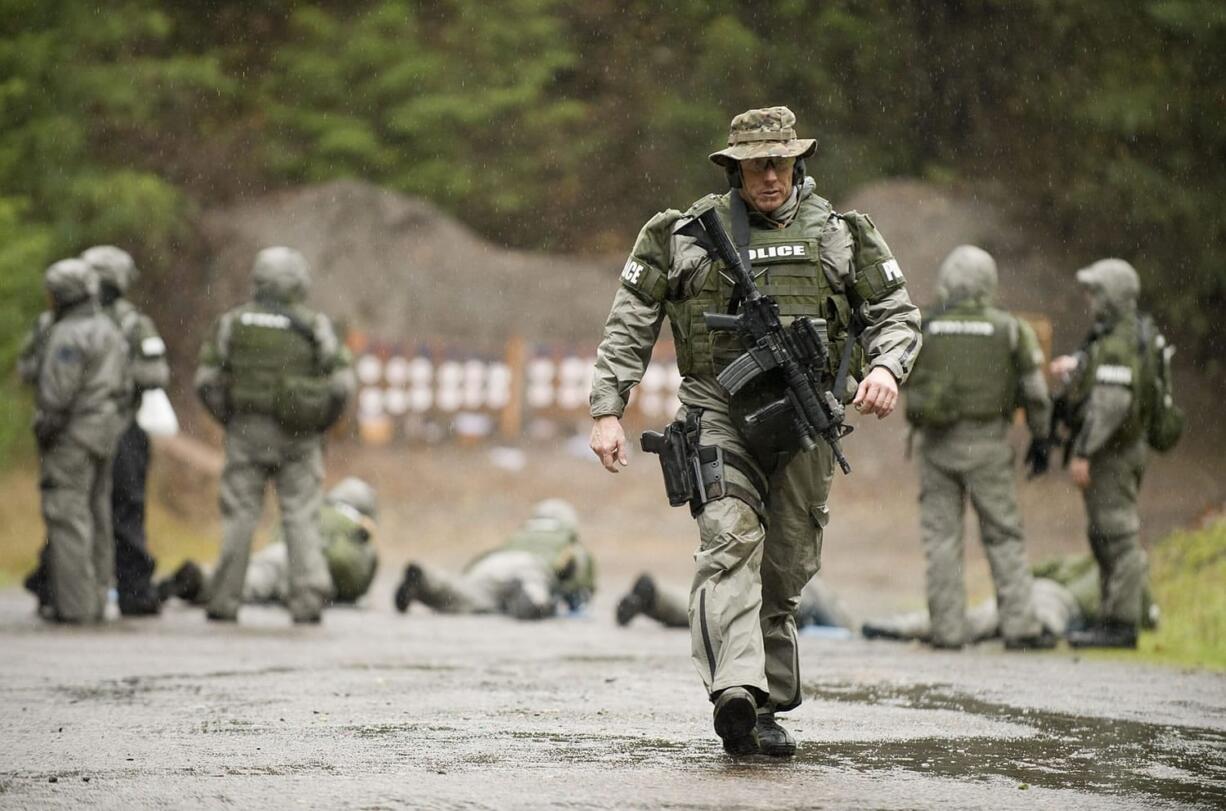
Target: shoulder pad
[(646, 270), (877, 271)]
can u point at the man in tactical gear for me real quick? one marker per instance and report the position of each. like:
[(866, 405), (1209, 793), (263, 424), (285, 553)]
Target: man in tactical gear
[(347, 523), (978, 364), (541, 564), (275, 375), (819, 605), (760, 541), (1103, 383), (1065, 598), (82, 388), (148, 368)]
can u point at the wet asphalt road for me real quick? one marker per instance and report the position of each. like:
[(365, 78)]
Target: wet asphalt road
[(375, 710)]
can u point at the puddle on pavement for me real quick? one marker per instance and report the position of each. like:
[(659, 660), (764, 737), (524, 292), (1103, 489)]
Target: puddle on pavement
[(1098, 755)]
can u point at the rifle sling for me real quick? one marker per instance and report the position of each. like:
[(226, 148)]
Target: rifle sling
[(740, 238)]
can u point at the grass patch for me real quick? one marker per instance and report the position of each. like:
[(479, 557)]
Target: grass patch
[(172, 538), (1188, 580)]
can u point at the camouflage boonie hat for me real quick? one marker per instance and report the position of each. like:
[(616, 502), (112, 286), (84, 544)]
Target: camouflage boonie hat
[(766, 133)]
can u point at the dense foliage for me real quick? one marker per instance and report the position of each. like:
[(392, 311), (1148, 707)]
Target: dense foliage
[(563, 125)]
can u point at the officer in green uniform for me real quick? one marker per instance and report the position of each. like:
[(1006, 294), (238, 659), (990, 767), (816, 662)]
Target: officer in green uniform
[(819, 605), (275, 375), (1103, 381), (83, 386), (1066, 600), (347, 525), (978, 364), (541, 565), (761, 542)]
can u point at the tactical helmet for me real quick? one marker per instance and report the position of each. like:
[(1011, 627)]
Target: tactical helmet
[(967, 273), (69, 281), (1113, 285), (557, 509), (357, 494), (281, 275), (114, 266)]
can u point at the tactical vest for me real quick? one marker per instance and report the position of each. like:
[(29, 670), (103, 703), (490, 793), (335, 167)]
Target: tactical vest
[(561, 551), (787, 267), (266, 348), (1114, 358), (965, 369)]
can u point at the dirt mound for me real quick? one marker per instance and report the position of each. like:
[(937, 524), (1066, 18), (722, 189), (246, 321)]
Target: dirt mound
[(397, 268)]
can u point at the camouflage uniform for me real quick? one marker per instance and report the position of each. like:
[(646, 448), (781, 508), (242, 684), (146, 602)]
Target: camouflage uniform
[(756, 549), (347, 526), (538, 566), (1110, 433), (83, 384), (670, 606), (274, 373), (977, 365)]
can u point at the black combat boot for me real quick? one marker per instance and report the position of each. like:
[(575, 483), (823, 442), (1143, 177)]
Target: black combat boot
[(143, 602), (187, 583), (640, 599), (1106, 634), (409, 588), (1045, 640), (773, 739), (736, 719)]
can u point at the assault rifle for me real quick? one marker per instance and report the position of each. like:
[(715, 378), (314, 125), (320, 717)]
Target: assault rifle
[(797, 351)]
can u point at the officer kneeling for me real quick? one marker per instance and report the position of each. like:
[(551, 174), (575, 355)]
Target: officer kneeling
[(275, 375)]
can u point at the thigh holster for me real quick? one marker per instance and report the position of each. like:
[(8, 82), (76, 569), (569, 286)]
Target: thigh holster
[(696, 474)]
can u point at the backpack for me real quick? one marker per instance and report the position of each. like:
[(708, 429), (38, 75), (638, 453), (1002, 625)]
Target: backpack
[(1163, 419)]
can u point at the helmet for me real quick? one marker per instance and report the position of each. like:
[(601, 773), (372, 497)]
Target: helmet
[(69, 281), (1113, 285), (357, 494), (114, 266), (967, 273), (557, 509), (281, 275)]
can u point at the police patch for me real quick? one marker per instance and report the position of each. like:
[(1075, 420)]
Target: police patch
[(770, 253), (152, 347), (1114, 375), (268, 320), (979, 329), (891, 270), (632, 272)]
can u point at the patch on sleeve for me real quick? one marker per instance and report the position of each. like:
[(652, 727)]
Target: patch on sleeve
[(153, 347), (891, 270), (645, 280), (1114, 375), (67, 354)]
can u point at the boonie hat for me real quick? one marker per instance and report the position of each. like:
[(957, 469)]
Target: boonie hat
[(769, 132)]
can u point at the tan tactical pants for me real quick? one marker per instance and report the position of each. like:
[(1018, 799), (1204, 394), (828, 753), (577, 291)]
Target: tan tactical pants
[(972, 460), (257, 452), (1114, 526), (748, 579), (76, 504)]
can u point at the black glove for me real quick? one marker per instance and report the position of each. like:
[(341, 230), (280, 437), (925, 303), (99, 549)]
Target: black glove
[(1037, 457)]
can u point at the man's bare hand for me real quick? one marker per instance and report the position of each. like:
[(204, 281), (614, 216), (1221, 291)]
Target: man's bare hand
[(1079, 471), (1062, 368), (878, 393), (609, 443)]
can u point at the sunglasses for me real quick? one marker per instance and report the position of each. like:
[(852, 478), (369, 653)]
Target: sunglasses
[(760, 165)]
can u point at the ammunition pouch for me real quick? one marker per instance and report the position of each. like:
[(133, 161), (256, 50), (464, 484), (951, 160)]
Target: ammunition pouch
[(695, 474), (305, 405)]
